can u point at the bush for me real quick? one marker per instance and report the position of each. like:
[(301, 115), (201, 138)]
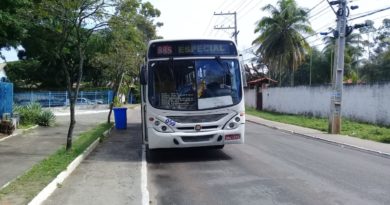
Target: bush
[(46, 118), (32, 114), (29, 113), (116, 102)]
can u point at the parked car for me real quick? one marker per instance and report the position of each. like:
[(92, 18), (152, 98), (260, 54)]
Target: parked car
[(51, 102), (81, 101), (97, 101)]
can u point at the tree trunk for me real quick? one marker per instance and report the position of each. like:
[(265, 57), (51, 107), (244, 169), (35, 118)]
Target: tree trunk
[(115, 93), (292, 78), (71, 126)]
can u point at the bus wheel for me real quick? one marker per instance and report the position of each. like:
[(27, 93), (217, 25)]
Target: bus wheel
[(150, 154), (219, 147)]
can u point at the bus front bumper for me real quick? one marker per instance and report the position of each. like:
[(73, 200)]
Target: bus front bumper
[(195, 139)]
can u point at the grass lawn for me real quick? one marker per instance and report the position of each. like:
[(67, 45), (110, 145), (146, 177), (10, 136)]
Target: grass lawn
[(351, 128), (26, 187)]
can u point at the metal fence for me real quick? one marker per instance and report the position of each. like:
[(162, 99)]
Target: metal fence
[(60, 98), (6, 93)]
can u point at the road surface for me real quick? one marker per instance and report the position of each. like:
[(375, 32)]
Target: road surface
[(272, 167)]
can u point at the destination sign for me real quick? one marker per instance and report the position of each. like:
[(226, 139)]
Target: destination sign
[(192, 48)]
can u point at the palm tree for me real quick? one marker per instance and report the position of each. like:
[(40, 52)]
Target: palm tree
[(281, 42), (352, 55)]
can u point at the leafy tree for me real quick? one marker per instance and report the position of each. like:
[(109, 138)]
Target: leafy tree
[(12, 22), (352, 54), (377, 69), (317, 66), (71, 23), (281, 42), (130, 30), (25, 74)]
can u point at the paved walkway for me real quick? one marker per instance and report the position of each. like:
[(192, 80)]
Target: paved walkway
[(111, 174), (378, 148), (20, 152)]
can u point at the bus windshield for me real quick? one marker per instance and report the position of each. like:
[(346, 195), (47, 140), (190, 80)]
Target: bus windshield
[(194, 84)]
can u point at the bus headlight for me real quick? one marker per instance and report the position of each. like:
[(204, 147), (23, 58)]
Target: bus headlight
[(161, 126), (233, 123)]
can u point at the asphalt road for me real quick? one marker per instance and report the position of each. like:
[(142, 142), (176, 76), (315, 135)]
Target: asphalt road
[(272, 167)]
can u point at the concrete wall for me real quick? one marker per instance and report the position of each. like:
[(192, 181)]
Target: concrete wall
[(250, 97), (369, 103)]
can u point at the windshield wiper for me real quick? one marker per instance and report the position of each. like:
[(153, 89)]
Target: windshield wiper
[(223, 65)]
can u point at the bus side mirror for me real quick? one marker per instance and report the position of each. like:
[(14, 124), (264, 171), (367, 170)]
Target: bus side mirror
[(143, 75)]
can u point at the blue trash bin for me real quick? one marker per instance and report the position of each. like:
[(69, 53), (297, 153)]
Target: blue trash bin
[(120, 117)]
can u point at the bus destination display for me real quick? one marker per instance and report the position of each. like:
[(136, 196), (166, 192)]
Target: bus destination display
[(191, 48)]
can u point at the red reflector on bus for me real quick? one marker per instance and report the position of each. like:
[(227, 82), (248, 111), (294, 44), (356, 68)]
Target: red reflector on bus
[(233, 137)]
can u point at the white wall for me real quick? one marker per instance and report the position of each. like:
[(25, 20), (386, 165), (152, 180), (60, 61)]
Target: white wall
[(250, 97), (2, 71), (370, 103)]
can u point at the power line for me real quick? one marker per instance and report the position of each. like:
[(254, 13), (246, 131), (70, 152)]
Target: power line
[(246, 5), (207, 27), (319, 12), (371, 13), (250, 9), (245, 2), (315, 6)]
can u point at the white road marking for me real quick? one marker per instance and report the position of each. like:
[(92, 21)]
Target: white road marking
[(144, 178)]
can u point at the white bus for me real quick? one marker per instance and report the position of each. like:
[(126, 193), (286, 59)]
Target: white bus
[(192, 94)]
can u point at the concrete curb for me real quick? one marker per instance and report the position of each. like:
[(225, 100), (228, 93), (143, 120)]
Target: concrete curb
[(53, 185), (344, 145)]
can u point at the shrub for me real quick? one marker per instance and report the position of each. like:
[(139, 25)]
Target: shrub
[(46, 118), (116, 102), (29, 113), (32, 114)]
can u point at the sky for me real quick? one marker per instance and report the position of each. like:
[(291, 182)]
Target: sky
[(196, 19)]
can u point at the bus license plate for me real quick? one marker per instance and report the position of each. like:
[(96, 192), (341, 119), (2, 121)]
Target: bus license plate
[(232, 137)]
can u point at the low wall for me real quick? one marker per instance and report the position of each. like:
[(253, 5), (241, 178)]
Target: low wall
[(368, 103), (250, 97)]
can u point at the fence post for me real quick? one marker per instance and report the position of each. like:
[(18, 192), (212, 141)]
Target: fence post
[(49, 98)]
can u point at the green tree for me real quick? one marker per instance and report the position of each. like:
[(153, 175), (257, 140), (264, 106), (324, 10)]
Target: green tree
[(130, 30), (316, 67), (352, 56), (377, 69), (12, 22), (280, 37), (71, 23)]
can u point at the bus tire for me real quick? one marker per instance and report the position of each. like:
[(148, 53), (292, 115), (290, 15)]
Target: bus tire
[(219, 146), (150, 154)]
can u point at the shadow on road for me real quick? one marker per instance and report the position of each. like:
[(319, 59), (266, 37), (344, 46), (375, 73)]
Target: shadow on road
[(186, 155)]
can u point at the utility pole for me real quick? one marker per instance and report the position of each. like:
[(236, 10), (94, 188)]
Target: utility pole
[(229, 27), (338, 68)]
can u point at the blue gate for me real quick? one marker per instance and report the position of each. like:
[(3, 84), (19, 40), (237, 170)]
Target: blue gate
[(6, 97)]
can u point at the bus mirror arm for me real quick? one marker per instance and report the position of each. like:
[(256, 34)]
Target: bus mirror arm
[(143, 75)]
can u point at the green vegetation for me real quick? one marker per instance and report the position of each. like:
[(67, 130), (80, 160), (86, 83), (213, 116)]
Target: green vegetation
[(46, 118), (281, 37), (351, 128), (32, 182), (33, 114)]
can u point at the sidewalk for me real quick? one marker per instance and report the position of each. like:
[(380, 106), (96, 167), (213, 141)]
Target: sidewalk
[(372, 147), (20, 152), (111, 174)]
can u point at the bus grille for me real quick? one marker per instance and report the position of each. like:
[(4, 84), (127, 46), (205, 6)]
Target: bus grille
[(203, 127), (198, 118), (197, 138)]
